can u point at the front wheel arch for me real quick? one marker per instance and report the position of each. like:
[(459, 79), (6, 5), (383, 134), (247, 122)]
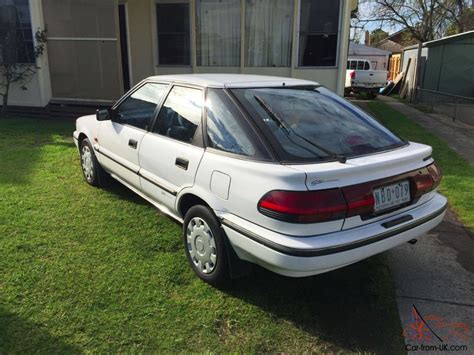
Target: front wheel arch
[(81, 137)]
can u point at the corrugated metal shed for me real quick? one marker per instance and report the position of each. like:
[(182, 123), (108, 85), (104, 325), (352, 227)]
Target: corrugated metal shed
[(448, 64)]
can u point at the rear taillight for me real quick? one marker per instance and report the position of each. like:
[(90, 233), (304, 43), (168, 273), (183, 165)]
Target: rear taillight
[(423, 183), (436, 174), (304, 206), (352, 74), (348, 201), (360, 199)]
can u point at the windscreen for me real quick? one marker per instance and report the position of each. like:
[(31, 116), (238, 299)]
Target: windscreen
[(313, 124)]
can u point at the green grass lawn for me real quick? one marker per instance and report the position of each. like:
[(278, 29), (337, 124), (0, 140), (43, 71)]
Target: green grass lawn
[(458, 179), (84, 269)]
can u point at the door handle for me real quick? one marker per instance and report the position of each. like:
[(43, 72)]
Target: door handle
[(132, 143), (182, 163)]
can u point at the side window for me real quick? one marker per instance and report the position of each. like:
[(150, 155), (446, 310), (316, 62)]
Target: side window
[(353, 64), (137, 110), (360, 65), (226, 130), (180, 115), (366, 66)]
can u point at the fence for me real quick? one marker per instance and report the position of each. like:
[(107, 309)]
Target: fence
[(457, 107)]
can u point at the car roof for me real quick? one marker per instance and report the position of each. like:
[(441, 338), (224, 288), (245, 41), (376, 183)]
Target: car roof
[(232, 80)]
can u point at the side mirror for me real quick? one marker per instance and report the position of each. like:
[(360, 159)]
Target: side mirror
[(104, 114)]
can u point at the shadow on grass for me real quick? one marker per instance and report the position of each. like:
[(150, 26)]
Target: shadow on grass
[(35, 339), (21, 141), (122, 192), (353, 308)]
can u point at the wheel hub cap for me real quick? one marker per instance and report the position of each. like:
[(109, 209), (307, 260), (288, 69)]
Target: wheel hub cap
[(201, 245), (87, 163)]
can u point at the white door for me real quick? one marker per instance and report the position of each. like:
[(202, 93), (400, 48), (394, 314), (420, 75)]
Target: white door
[(171, 153), (120, 138)]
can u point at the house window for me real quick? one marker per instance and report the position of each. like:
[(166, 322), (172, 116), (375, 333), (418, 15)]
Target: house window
[(218, 33), (16, 34), (268, 30), (173, 34), (319, 24)]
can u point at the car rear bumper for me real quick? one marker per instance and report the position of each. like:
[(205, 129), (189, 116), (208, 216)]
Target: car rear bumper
[(310, 255)]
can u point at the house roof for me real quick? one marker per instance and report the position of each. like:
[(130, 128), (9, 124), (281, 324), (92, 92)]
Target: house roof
[(396, 41), (360, 49), (391, 46), (232, 80), (391, 37)]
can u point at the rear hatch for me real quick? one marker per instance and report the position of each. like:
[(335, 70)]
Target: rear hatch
[(355, 168)]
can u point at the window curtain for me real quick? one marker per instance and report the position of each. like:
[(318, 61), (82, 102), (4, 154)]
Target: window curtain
[(268, 28), (218, 33)]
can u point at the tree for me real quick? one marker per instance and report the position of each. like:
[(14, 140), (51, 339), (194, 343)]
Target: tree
[(377, 35), (424, 19), (464, 23), (17, 55)]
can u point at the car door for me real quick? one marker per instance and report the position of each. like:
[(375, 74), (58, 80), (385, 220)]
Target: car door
[(119, 139), (170, 154)]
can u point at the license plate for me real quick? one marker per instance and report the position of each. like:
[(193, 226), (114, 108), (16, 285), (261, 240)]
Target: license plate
[(391, 196)]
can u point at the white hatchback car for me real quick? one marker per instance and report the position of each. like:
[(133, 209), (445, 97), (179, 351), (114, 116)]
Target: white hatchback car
[(274, 171)]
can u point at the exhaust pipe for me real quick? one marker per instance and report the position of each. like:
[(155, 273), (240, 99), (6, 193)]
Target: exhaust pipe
[(413, 241)]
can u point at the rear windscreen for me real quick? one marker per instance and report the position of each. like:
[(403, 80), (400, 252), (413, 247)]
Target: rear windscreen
[(313, 124)]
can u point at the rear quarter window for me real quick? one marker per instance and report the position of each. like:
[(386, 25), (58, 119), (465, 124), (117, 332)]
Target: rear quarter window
[(227, 131)]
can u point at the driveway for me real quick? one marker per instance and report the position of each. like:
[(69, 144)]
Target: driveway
[(459, 135), (437, 276), (434, 279)]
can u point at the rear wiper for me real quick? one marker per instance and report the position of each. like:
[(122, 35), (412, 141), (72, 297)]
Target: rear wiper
[(275, 118), (272, 114)]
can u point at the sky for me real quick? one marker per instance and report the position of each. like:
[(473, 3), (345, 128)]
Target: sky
[(365, 7)]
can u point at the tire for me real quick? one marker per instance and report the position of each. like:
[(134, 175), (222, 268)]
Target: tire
[(372, 94), (205, 246), (93, 173)]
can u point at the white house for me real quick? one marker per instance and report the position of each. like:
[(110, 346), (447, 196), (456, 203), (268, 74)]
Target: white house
[(97, 49)]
